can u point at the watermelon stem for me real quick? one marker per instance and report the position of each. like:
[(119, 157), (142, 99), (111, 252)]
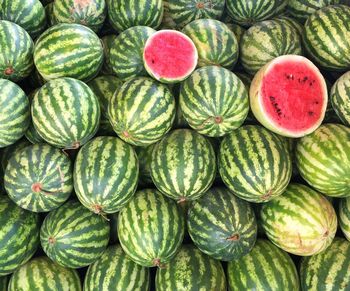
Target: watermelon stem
[(9, 71), (234, 237), (157, 263)]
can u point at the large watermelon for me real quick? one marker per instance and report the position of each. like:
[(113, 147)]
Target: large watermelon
[(255, 163), (183, 165), (266, 267), (81, 57), (105, 174), (222, 225), (41, 274), (150, 228), (325, 37), (340, 98), (323, 159), (142, 111), (19, 235), (115, 271), (66, 113), (39, 178), (74, 237), (191, 270), (14, 109), (300, 221), (329, 270), (344, 216), (214, 101), (16, 46)]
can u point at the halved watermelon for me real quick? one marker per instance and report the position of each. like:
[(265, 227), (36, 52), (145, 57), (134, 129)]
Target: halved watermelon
[(289, 96), (170, 56)]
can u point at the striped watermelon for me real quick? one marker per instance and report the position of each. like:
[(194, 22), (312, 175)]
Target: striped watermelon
[(300, 221), (91, 13), (142, 111), (255, 163), (39, 178), (329, 270), (15, 116), (81, 57), (214, 101), (340, 96), (4, 283), (105, 174), (41, 274), (215, 42), (247, 13), (126, 52), (267, 40), (19, 235), (191, 270), (115, 271), (66, 113), (29, 14), (32, 134), (8, 152), (325, 38), (292, 22), (16, 46), (150, 228), (50, 18), (183, 165), (107, 42), (144, 155), (104, 87), (74, 237), (124, 14), (323, 159), (237, 30), (266, 267), (344, 216), (222, 225)]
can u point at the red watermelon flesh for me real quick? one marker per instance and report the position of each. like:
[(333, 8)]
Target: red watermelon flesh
[(170, 56)]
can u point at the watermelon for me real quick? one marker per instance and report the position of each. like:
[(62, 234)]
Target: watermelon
[(126, 52), (66, 113), (266, 267), (255, 163), (170, 56), (237, 30), (144, 155), (267, 40), (74, 237), (39, 178), (178, 13), (325, 37), (29, 14), (19, 235), (323, 159), (16, 46), (15, 116), (124, 14), (4, 283), (183, 165), (50, 18), (289, 96), (215, 42), (191, 270), (81, 57), (292, 22), (247, 13), (340, 98), (115, 271), (91, 13), (344, 216), (329, 270), (300, 221), (8, 152), (105, 174), (41, 274), (222, 225), (214, 101), (150, 228), (107, 42), (142, 111), (32, 134), (104, 87)]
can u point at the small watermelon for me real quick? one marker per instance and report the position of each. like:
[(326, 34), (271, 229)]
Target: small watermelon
[(74, 237), (340, 98), (344, 216), (150, 228), (300, 221), (115, 271), (289, 96)]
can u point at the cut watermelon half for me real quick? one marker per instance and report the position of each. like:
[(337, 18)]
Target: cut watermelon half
[(170, 56), (289, 96)]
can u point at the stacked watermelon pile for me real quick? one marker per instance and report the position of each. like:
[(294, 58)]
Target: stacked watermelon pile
[(174, 145)]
